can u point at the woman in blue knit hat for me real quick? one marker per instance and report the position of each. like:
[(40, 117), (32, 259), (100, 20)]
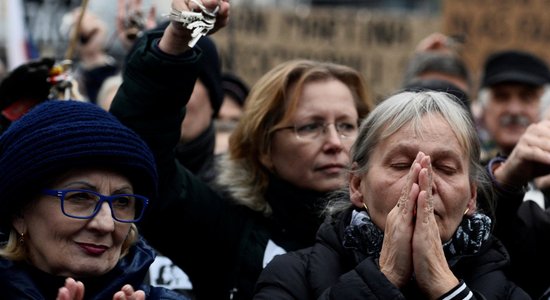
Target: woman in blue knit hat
[(74, 181), (73, 185)]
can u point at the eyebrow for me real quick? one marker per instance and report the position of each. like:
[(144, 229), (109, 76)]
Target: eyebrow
[(127, 188), (412, 150)]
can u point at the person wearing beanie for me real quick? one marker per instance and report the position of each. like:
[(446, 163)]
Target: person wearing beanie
[(74, 182), (196, 148), (512, 86), (236, 91)]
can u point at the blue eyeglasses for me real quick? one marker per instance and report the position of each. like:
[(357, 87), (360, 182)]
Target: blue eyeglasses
[(85, 204)]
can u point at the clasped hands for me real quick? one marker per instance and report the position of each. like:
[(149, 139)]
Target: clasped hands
[(412, 243)]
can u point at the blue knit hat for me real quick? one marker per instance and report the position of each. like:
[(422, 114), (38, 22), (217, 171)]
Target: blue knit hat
[(59, 135)]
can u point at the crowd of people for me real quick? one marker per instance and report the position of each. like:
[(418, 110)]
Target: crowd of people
[(311, 190)]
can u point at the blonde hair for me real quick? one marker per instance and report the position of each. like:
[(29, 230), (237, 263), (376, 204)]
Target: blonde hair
[(272, 100), (14, 249)]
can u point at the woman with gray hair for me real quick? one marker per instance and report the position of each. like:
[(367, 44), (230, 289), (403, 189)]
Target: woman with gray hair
[(409, 225)]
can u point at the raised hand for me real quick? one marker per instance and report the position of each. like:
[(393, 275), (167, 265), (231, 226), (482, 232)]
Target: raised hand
[(439, 42), (131, 21), (530, 157), (182, 32)]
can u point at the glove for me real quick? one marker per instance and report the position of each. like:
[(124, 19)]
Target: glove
[(27, 82)]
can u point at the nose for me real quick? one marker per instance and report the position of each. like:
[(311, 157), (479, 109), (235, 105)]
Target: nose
[(103, 220), (331, 136), (516, 105)]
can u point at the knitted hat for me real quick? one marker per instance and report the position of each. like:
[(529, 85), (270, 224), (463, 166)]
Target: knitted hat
[(235, 87), (58, 135), (210, 72), (515, 66)]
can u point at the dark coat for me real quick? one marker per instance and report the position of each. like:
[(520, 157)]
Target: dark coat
[(22, 281), (329, 271), (223, 242), (524, 228)]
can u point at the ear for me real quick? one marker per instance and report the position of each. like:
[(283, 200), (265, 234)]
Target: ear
[(355, 192), (265, 159), (472, 203)]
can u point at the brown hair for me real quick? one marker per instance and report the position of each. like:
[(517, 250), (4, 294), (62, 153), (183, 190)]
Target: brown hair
[(273, 99)]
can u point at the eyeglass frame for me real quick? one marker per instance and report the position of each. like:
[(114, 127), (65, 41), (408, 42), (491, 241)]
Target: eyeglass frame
[(323, 131), (60, 194)]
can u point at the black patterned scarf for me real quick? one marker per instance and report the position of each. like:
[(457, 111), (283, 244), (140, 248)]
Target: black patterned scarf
[(364, 236)]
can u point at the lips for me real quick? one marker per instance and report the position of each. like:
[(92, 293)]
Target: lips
[(93, 249), (331, 168)]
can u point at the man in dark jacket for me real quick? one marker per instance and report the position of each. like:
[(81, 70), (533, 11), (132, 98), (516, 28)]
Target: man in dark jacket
[(513, 85)]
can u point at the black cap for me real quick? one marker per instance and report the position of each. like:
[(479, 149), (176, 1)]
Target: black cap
[(235, 86), (514, 66)]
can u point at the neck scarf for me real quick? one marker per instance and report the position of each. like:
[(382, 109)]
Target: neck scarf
[(364, 236)]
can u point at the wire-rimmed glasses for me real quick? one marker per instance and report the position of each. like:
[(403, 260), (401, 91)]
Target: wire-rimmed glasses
[(85, 204), (312, 131)]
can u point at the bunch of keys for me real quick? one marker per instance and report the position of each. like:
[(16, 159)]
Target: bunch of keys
[(199, 22)]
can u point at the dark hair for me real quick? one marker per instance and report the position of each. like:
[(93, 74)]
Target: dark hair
[(445, 63)]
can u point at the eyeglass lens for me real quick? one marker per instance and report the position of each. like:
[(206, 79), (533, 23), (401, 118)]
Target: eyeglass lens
[(82, 204), (314, 130)]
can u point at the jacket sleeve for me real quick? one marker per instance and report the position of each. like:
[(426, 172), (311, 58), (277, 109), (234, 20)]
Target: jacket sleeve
[(523, 228), (151, 101), (365, 281), (284, 278), (152, 98)]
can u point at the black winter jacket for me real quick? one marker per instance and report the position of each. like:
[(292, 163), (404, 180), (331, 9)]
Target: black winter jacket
[(22, 281), (329, 271), (524, 227)]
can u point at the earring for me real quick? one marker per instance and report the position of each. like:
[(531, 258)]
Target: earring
[(365, 206), (466, 211), (21, 238)]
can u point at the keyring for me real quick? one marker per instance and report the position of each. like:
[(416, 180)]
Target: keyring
[(199, 22)]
